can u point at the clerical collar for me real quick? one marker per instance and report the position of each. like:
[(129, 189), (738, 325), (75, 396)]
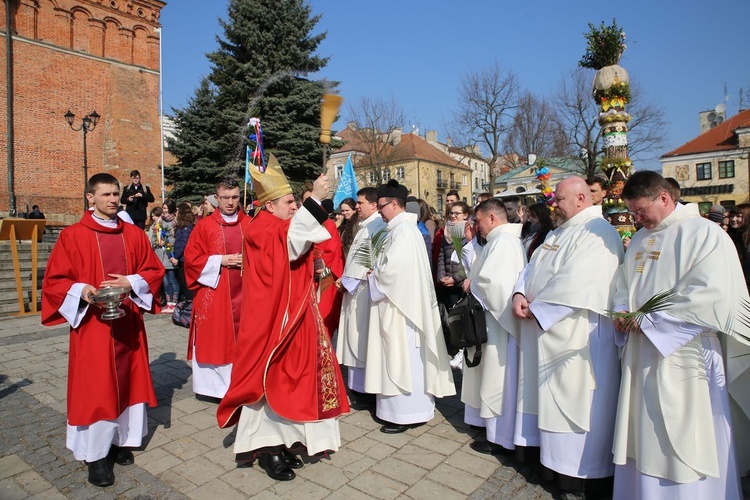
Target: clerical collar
[(111, 223), (230, 218)]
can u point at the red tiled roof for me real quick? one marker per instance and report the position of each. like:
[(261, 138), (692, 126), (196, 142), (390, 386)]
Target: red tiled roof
[(719, 138)]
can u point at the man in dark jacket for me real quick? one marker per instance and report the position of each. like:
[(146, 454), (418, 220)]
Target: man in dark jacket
[(136, 197)]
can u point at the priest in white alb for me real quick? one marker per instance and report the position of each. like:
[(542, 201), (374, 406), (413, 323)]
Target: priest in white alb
[(407, 361), (673, 438), (351, 343), (489, 389), (569, 369)]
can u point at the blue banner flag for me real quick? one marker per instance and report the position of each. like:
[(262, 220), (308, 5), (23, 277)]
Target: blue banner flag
[(248, 179), (347, 184)]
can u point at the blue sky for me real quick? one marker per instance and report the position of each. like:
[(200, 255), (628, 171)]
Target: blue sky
[(682, 52)]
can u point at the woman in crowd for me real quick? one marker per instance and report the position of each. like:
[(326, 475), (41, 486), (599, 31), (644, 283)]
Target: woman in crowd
[(350, 225), (537, 226), (166, 239), (739, 231), (183, 226)]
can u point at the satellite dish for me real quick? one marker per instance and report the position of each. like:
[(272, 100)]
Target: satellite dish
[(711, 117), (721, 109), (719, 119)]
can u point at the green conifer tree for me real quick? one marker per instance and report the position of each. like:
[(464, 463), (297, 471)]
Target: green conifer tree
[(200, 157), (260, 69)]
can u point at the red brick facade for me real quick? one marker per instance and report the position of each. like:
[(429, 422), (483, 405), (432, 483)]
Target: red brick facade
[(82, 55)]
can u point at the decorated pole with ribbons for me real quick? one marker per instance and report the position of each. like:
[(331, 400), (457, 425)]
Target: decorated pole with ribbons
[(254, 154)]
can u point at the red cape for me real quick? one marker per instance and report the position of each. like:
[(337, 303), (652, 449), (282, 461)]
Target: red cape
[(108, 366), (332, 253), (292, 364), (214, 318)]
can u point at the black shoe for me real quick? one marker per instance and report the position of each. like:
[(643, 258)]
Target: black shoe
[(208, 399), (398, 428), (100, 474), (120, 456), (488, 448), (276, 467), (291, 460)]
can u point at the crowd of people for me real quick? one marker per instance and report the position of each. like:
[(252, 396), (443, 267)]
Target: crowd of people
[(610, 396)]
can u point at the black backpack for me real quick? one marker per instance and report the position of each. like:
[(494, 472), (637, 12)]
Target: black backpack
[(468, 327)]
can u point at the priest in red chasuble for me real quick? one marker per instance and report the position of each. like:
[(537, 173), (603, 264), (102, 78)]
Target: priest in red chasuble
[(286, 387), (109, 382), (213, 270)]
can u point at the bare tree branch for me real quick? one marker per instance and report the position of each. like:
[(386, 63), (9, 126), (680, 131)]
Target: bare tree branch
[(377, 127), (486, 102), (535, 129)]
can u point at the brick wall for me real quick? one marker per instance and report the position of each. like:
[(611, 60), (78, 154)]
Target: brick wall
[(85, 55)]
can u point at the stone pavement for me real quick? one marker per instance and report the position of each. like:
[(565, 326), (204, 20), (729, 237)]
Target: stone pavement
[(186, 455)]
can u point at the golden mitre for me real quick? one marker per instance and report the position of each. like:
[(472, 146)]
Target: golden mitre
[(271, 184)]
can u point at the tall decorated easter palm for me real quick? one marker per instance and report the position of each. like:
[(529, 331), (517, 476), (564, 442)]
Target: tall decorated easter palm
[(605, 47)]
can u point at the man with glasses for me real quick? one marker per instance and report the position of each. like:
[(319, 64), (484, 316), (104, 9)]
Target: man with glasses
[(569, 372), (673, 437), (213, 270), (407, 362)]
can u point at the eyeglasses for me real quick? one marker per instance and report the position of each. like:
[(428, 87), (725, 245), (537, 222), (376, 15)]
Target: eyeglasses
[(227, 198), (642, 211), (381, 207), (455, 214)]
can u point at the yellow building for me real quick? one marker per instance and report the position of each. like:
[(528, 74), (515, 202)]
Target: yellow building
[(425, 169), (712, 169)]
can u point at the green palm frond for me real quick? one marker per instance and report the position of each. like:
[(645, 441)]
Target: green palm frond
[(659, 302), (366, 255)]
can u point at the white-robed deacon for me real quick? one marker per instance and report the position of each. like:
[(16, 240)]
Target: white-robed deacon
[(407, 361), (569, 369), (351, 343), (489, 389), (673, 438)]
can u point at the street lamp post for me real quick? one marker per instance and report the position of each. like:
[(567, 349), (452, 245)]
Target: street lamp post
[(88, 124)]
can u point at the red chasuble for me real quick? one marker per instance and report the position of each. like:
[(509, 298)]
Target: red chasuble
[(283, 354), (108, 366), (332, 252), (215, 319)]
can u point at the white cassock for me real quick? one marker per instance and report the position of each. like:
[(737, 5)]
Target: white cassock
[(489, 389), (351, 344), (673, 438), (259, 426), (92, 442), (209, 379), (568, 369), (407, 362)]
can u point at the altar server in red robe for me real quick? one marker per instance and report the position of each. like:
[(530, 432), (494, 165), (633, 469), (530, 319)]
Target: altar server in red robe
[(213, 269), (286, 387), (109, 382)]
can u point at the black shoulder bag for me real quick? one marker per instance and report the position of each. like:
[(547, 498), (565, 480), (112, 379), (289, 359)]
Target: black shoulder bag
[(468, 327)]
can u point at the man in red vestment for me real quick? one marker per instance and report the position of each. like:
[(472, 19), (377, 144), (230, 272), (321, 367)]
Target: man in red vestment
[(109, 382), (213, 270), (286, 383)]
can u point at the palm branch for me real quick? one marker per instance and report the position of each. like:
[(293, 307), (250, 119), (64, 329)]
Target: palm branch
[(366, 255), (658, 302)]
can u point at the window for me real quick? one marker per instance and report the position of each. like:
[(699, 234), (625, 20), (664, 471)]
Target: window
[(476, 183), (400, 173), (703, 171), (339, 170), (440, 176), (440, 206), (386, 174), (463, 180), (726, 169), (372, 177)]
